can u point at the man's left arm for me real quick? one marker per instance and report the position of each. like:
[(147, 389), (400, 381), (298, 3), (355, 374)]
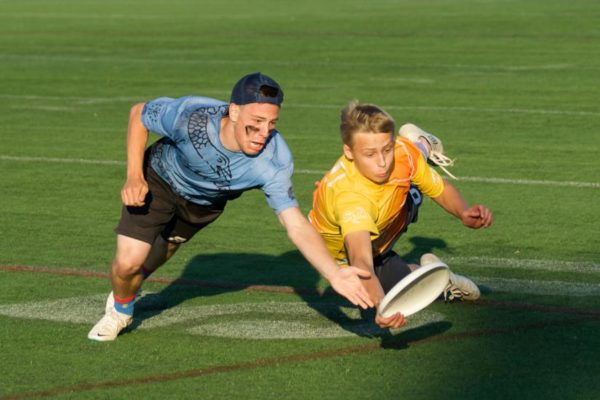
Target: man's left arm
[(477, 216), (346, 281)]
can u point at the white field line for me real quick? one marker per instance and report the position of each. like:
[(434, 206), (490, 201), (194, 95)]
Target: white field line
[(537, 287), (530, 182), (320, 320), (60, 160), (394, 79), (130, 99), (527, 182), (71, 99), (266, 320), (41, 107), (463, 109), (100, 58), (229, 16), (78, 100), (131, 17), (527, 264)]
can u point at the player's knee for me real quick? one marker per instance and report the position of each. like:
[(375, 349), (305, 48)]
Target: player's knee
[(125, 267)]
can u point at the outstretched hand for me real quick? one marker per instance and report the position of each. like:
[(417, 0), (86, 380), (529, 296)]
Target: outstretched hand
[(393, 321), (476, 217), (347, 282)]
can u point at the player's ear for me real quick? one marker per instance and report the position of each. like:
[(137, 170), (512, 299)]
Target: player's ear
[(348, 152), (234, 112)]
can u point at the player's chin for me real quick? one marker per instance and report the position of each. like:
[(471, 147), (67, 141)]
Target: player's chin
[(380, 179), (251, 152), (253, 149)]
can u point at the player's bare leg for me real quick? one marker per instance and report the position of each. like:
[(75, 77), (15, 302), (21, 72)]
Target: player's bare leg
[(160, 253), (126, 280), (127, 264)]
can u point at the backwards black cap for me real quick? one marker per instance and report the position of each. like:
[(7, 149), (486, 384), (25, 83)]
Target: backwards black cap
[(256, 88)]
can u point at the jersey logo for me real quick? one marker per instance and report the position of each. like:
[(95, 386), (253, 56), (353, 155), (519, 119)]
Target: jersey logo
[(215, 160), (354, 215)]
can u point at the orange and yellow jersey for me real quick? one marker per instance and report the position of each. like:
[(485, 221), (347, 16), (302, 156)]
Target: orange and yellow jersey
[(345, 201)]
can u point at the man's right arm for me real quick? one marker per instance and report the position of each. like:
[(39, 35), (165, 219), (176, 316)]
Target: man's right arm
[(135, 189)]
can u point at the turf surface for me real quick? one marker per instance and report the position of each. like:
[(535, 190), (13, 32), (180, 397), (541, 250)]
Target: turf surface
[(511, 88)]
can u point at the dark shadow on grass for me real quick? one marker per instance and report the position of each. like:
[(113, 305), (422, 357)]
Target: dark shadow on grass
[(215, 274), (422, 245), (402, 341)]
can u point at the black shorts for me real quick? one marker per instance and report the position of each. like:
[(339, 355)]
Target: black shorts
[(164, 213), (390, 269)]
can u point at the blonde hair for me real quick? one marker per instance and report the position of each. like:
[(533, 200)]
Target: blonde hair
[(366, 118)]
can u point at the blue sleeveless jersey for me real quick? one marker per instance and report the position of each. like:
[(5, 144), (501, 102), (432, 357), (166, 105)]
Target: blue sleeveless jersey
[(192, 160)]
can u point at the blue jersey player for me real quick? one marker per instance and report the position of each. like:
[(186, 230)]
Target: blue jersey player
[(210, 152)]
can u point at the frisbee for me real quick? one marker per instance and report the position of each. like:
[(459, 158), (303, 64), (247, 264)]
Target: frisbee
[(416, 290)]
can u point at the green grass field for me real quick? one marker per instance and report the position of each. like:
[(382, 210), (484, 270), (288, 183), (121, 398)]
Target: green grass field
[(510, 86)]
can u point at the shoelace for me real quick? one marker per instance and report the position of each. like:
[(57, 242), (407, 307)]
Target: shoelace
[(451, 293), (437, 156), (442, 161)]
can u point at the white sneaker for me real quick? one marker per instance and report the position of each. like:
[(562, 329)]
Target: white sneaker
[(429, 258), (462, 288), (459, 287), (109, 326), (110, 303), (436, 152)]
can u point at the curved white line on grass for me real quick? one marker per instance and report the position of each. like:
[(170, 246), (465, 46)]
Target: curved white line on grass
[(269, 320), (300, 321), (314, 172)]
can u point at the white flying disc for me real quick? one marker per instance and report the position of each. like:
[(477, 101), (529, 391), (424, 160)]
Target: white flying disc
[(416, 291)]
